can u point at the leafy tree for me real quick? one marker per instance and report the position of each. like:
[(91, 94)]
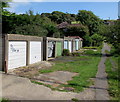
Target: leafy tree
[(59, 17), (113, 35), (46, 14), (96, 40), (29, 24), (89, 19), (57, 34), (30, 30), (77, 31), (3, 11), (87, 40), (4, 4)]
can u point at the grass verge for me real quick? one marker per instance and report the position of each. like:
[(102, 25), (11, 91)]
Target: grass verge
[(113, 79), (86, 66)]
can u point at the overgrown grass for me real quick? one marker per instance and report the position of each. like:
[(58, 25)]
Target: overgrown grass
[(91, 47), (113, 79), (75, 100), (53, 88), (33, 81), (114, 52), (86, 66), (91, 52), (4, 100)]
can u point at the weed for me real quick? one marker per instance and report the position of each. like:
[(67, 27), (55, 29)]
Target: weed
[(66, 52), (4, 100), (75, 99), (76, 54), (113, 79), (85, 66)]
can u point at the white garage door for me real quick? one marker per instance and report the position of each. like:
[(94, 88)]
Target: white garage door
[(65, 44), (16, 54), (70, 46), (35, 52), (77, 45)]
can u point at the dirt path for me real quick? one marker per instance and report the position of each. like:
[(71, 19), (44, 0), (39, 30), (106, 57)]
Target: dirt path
[(101, 84)]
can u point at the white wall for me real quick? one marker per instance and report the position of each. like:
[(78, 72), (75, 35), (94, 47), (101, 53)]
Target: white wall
[(0, 53), (70, 46)]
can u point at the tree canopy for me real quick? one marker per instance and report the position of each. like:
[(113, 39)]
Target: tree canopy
[(112, 35), (84, 24), (89, 19)]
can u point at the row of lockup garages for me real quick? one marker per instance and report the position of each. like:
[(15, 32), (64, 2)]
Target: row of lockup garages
[(20, 50), (73, 43)]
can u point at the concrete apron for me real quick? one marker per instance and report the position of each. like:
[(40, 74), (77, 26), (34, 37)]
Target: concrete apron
[(0, 85), (18, 88)]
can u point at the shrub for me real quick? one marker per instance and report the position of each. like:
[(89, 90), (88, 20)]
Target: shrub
[(91, 47), (92, 53), (66, 52), (75, 54), (89, 52)]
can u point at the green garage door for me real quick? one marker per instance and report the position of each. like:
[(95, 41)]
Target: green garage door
[(59, 49)]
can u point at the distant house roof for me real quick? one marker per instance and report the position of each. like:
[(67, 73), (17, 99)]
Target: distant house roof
[(109, 22), (75, 25), (62, 25), (65, 24), (76, 37)]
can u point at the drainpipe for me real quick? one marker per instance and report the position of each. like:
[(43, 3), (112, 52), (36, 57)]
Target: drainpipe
[(5, 68)]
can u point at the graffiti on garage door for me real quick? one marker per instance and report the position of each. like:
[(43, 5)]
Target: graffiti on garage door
[(51, 48)]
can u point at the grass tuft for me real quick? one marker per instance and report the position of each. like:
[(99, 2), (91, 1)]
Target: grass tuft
[(85, 66), (113, 79)]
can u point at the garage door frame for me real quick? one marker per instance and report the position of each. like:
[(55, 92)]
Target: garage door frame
[(17, 37), (45, 46)]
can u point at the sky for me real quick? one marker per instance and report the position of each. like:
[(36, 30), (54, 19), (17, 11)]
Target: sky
[(104, 10)]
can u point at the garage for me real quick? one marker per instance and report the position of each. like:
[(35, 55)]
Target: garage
[(70, 46), (21, 50), (35, 51), (51, 48), (77, 44), (68, 43), (59, 48), (65, 44), (16, 54)]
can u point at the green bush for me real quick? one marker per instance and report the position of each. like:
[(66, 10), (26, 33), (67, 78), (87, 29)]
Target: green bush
[(93, 53), (4, 100), (91, 47), (66, 52), (89, 52)]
